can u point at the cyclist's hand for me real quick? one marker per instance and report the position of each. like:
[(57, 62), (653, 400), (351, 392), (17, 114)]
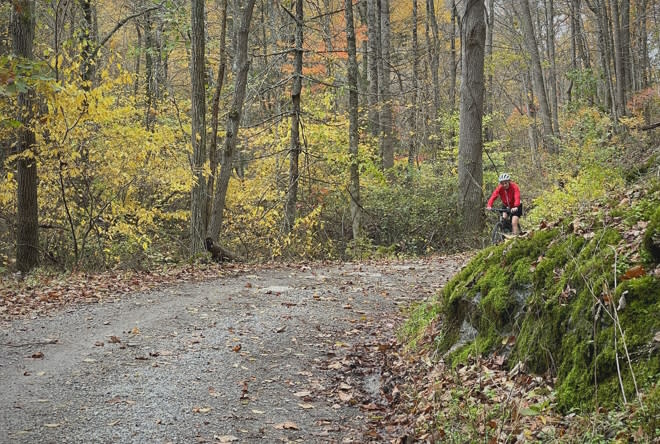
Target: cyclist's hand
[(514, 209), (489, 208)]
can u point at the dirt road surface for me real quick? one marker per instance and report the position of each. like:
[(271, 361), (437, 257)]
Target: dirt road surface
[(262, 355)]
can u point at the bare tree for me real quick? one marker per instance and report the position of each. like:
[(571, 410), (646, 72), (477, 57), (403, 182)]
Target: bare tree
[(354, 181), (242, 66), (27, 221), (215, 111), (386, 118), (470, 173), (373, 29), (537, 71), (294, 151), (198, 100)]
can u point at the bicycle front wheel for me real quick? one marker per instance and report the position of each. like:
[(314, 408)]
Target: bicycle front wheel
[(498, 233)]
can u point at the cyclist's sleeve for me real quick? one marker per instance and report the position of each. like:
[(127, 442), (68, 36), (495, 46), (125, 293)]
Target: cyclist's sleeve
[(493, 196)]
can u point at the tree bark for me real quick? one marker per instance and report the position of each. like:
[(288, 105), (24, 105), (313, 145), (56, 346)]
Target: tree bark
[(27, 220), (354, 172), (552, 71), (215, 111), (488, 95), (242, 65), (619, 69), (373, 30), (294, 151), (386, 122), (537, 71), (470, 169), (198, 132), (434, 62), (412, 148)]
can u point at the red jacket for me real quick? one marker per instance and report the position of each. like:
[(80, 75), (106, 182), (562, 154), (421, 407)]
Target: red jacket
[(510, 197)]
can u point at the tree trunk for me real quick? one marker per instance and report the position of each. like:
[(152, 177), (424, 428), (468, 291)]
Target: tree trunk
[(552, 72), (434, 62), (198, 131), (488, 96), (539, 84), (354, 181), (470, 169), (412, 148), (619, 70), (87, 70), (233, 119), (386, 122), (453, 68), (294, 152), (373, 30), (215, 111), (27, 220)]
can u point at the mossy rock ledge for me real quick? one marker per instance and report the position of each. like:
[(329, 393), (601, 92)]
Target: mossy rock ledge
[(549, 301)]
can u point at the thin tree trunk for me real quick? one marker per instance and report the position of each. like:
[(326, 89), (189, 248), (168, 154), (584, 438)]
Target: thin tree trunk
[(233, 119), (619, 69), (412, 149), (453, 68), (552, 72), (138, 58), (626, 56), (470, 168), (434, 55), (386, 122), (27, 217), (294, 152), (198, 132), (488, 96), (539, 84), (215, 111), (373, 30), (354, 172), (86, 41)]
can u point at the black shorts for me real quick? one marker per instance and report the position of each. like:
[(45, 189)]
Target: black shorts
[(518, 212)]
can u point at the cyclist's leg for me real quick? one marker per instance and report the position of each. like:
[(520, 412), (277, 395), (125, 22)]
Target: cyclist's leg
[(515, 223), (515, 219)]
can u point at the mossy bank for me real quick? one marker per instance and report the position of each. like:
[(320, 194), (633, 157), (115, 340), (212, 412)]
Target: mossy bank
[(578, 300)]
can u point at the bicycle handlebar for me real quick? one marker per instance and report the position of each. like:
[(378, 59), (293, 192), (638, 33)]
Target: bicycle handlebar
[(500, 210)]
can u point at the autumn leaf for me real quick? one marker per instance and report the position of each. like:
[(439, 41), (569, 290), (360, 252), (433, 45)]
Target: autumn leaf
[(288, 425), (634, 272)]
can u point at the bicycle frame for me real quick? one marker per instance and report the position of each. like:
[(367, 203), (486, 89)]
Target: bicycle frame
[(502, 226)]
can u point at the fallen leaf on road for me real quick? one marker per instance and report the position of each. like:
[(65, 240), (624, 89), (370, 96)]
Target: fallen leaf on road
[(114, 423), (225, 438), (52, 425), (201, 409), (37, 355), (306, 406), (114, 340), (288, 425), (303, 394)]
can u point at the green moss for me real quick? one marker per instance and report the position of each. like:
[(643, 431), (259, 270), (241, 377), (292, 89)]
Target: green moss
[(545, 290), (593, 363)]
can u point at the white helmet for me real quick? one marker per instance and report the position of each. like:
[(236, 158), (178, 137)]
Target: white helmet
[(504, 177)]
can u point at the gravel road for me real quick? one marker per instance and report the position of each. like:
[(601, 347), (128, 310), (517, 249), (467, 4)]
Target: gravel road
[(258, 356)]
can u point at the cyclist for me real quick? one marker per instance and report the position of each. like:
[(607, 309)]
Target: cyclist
[(509, 193)]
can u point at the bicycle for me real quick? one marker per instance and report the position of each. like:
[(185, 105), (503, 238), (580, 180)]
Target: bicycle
[(503, 225)]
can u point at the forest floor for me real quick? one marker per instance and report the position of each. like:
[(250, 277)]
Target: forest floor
[(234, 353)]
